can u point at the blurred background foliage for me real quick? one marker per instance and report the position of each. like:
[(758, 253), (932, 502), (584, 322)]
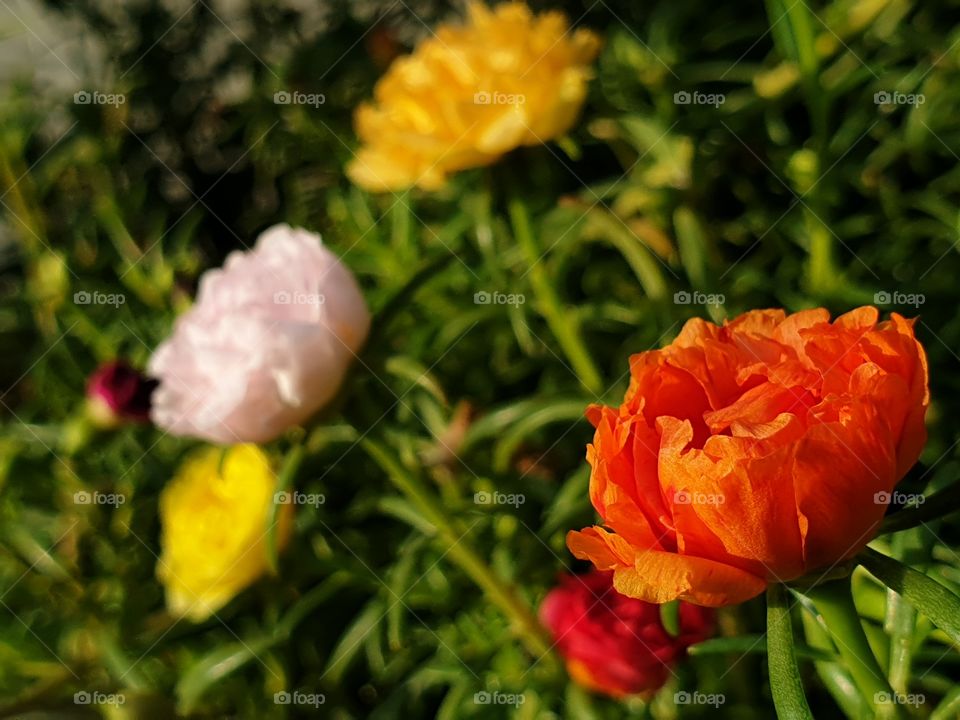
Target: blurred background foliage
[(799, 190)]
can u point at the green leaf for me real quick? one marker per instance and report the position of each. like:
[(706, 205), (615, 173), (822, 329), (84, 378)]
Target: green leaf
[(834, 675), (937, 505), (670, 617), (285, 478), (788, 696), (949, 707), (743, 644), (351, 642), (569, 411), (928, 596)]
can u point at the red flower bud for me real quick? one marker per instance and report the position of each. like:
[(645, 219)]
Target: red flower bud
[(118, 393)]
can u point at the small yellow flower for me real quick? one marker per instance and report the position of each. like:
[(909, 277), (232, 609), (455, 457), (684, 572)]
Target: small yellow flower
[(468, 94), (214, 528)]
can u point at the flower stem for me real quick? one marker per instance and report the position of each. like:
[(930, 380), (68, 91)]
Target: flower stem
[(500, 593), (788, 695), (834, 602), (563, 325)]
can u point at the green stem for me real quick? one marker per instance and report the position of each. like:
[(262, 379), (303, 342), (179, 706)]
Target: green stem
[(562, 323), (500, 593), (788, 695), (834, 602)]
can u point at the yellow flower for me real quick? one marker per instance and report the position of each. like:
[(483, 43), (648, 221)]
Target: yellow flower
[(468, 94), (214, 528)]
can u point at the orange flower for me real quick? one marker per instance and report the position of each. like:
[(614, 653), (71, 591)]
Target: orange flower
[(753, 452)]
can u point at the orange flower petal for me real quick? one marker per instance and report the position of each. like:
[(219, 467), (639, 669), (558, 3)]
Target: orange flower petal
[(604, 549), (660, 577)]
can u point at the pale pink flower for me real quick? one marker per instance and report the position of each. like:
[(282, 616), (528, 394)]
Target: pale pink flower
[(266, 344)]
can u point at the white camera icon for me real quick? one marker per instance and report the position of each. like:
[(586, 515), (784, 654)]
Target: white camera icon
[(82, 97), (282, 97), (282, 498), (681, 97)]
